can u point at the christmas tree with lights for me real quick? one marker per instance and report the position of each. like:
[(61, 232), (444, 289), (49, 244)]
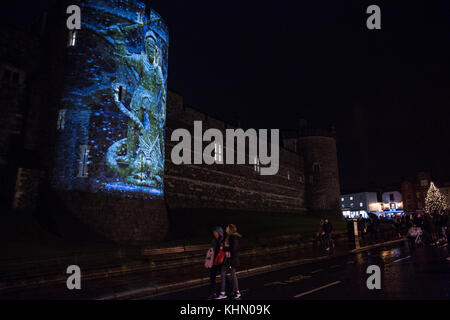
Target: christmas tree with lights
[(435, 202)]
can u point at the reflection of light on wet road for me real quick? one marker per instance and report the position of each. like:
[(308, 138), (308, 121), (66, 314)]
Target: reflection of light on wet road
[(398, 260), (360, 258), (387, 253)]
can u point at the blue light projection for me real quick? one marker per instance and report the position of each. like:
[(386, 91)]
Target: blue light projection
[(114, 102)]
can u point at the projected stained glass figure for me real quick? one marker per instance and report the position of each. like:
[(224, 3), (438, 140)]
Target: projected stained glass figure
[(139, 158)]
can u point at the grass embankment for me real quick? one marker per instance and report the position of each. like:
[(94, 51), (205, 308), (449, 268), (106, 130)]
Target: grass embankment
[(21, 236), (195, 226)]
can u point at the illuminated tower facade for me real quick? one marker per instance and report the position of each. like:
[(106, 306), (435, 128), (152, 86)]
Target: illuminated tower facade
[(111, 120)]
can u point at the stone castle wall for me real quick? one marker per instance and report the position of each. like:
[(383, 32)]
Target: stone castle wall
[(228, 186)]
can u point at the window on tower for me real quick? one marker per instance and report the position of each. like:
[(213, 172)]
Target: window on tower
[(316, 167), (72, 38)]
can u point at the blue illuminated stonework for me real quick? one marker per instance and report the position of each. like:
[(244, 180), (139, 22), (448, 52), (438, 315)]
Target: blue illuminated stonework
[(113, 108)]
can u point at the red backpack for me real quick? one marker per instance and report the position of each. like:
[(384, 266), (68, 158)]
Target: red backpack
[(220, 257)]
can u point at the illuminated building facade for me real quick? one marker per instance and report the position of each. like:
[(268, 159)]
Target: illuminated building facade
[(357, 205), (361, 204)]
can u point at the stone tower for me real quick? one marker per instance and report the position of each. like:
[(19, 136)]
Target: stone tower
[(318, 149), (108, 123)]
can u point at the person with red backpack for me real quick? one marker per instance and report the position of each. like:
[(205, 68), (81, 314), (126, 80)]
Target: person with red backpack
[(214, 259), (231, 262)]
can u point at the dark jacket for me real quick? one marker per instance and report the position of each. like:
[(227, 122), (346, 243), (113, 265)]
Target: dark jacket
[(233, 248), (327, 227), (215, 243)]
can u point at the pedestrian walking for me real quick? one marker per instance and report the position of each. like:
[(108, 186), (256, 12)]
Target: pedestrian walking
[(231, 248), (374, 226), (397, 224), (442, 227), (319, 234), (327, 229), (212, 254)]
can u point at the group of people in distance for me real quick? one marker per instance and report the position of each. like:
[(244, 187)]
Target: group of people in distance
[(429, 229), (419, 227)]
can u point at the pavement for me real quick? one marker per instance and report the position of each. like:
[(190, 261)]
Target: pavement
[(422, 274)]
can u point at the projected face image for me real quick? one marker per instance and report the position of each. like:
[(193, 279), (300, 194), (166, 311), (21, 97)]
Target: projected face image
[(116, 101)]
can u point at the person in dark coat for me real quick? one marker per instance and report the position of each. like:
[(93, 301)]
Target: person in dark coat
[(215, 245), (327, 229), (397, 224), (231, 247)]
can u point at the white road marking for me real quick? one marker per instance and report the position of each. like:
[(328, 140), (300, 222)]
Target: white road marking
[(317, 289), (398, 260)]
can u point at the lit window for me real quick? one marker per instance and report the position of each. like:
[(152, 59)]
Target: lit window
[(61, 119), (342, 199), (351, 198), (316, 167), (218, 152), (84, 155), (360, 204), (257, 165), (72, 38), (13, 76)]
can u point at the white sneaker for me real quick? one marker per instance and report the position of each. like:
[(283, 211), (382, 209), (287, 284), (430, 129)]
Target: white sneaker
[(237, 296), (221, 296)]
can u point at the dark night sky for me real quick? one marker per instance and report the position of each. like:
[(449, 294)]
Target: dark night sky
[(270, 63)]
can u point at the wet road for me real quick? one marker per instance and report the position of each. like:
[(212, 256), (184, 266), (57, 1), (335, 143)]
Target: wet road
[(422, 274)]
